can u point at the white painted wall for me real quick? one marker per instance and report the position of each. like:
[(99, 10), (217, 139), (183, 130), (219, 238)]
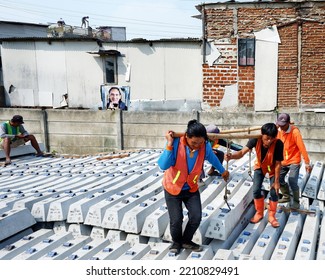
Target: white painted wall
[(266, 69), (163, 71)]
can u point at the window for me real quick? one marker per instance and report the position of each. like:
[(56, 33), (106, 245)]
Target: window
[(246, 52), (111, 69)]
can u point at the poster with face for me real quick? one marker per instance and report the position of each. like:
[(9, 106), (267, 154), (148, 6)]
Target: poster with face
[(112, 94)]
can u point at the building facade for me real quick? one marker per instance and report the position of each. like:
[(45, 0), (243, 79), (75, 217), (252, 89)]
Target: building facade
[(265, 55)]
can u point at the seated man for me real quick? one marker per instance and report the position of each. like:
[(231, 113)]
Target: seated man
[(13, 134)]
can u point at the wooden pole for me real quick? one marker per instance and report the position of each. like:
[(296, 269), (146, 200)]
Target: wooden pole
[(248, 129), (214, 136)]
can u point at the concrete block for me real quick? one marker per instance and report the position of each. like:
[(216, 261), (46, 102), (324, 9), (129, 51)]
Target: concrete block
[(66, 249), (157, 251), (211, 197), (24, 243), (266, 243), (246, 257), (14, 221), (22, 150), (58, 210), (60, 227), (321, 241), (14, 238), (224, 254), (98, 232), (303, 177), (89, 250), (183, 255), (225, 220), (134, 239), (136, 252), (43, 247), (217, 244), (285, 248), (130, 186), (313, 183), (116, 235), (155, 224), (247, 238), (113, 251), (41, 204), (306, 249), (134, 219), (40, 192), (205, 254), (321, 191), (114, 215), (79, 229)]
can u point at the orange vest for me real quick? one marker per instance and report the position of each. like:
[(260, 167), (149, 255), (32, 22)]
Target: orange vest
[(176, 176), (214, 143), (267, 165), (293, 147)]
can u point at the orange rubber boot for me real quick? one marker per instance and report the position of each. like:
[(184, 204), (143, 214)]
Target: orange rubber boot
[(259, 207), (272, 210)]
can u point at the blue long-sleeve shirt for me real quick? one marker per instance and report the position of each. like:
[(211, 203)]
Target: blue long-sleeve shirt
[(168, 158)]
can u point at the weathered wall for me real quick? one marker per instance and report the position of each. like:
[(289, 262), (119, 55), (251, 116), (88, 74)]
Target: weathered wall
[(93, 132), (300, 69), (43, 70)]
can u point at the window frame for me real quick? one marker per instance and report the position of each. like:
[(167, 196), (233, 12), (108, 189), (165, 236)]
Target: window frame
[(107, 59), (246, 51)]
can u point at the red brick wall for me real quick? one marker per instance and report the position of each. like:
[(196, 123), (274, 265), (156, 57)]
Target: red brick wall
[(220, 24), (288, 66), (313, 64)]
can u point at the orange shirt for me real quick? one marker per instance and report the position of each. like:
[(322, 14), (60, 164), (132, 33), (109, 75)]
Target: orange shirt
[(294, 146)]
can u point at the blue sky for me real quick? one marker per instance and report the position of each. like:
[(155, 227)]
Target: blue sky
[(149, 19)]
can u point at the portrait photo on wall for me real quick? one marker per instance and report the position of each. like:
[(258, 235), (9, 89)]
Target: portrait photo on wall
[(115, 97)]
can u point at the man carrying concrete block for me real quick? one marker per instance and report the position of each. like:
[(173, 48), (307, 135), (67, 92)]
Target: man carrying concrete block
[(13, 134)]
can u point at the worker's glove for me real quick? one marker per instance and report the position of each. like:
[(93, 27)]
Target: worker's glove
[(225, 175)]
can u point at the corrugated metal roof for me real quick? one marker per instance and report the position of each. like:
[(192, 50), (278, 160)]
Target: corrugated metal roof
[(81, 38)]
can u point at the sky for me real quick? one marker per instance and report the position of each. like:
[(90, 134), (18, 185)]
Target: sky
[(148, 19)]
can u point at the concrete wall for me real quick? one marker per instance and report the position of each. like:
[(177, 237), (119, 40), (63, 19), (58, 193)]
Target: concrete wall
[(93, 132)]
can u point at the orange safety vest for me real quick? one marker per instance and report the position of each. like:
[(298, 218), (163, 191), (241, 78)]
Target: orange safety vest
[(267, 166), (214, 143), (293, 147), (176, 176)]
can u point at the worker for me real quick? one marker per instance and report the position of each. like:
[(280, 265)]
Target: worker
[(183, 160), (211, 128), (294, 151), (13, 134), (269, 154), (85, 22)]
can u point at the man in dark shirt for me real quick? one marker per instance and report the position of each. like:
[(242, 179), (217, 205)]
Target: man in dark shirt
[(269, 154)]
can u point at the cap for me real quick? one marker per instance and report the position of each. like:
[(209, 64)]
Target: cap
[(211, 128), (283, 119), (17, 119)]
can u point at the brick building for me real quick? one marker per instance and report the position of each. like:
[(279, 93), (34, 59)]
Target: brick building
[(265, 55)]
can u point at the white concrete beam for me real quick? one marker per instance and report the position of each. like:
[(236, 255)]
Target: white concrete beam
[(14, 221), (312, 186)]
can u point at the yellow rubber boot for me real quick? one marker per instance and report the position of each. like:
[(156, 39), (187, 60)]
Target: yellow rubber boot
[(259, 207), (272, 211)]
